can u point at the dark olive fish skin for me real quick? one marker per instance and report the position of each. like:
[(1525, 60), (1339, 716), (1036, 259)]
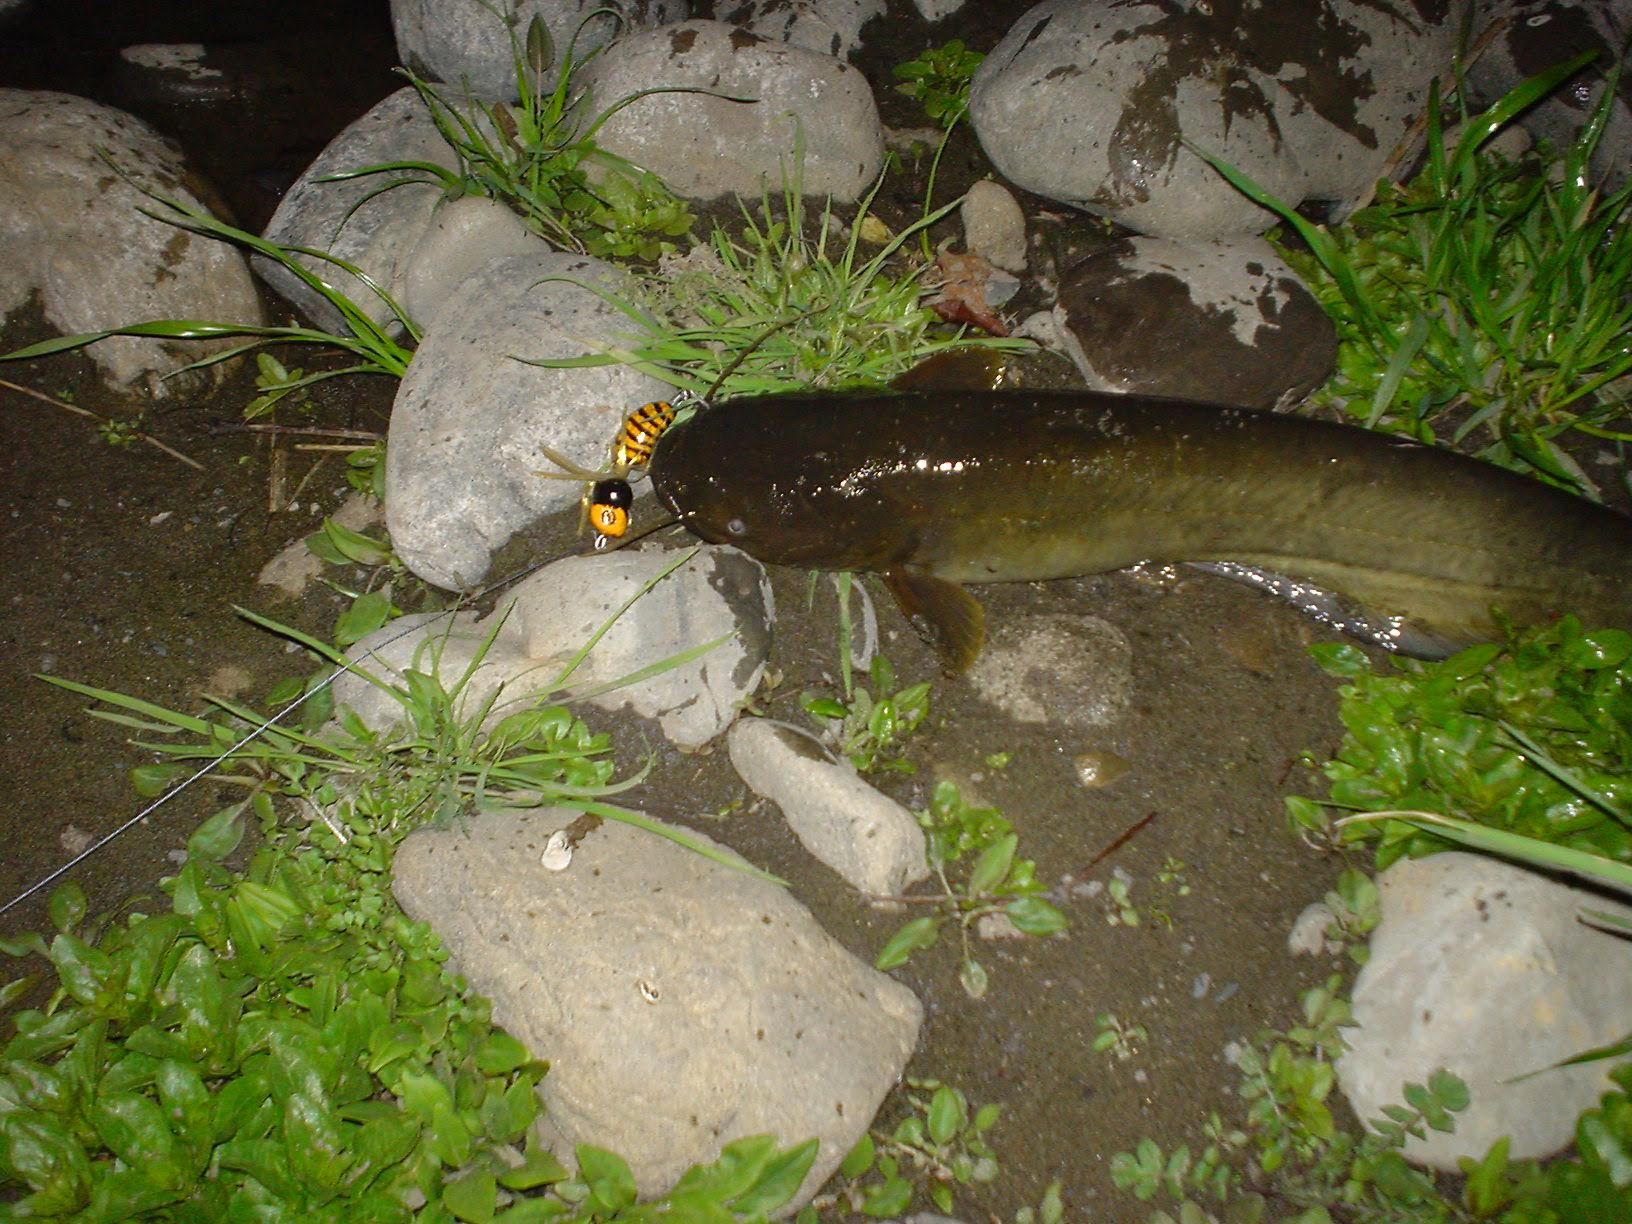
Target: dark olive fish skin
[(972, 487)]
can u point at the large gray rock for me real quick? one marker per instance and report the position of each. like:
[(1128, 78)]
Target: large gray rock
[(547, 619), (682, 1004), (1483, 968), (470, 416), (720, 593), (832, 27), (375, 230), (1227, 322), (1094, 102), (703, 145), (864, 835), (471, 44), (72, 230)]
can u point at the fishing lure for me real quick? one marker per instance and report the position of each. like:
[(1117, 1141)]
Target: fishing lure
[(609, 497)]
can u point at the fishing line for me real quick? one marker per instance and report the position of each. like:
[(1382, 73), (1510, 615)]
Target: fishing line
[(346, 665)]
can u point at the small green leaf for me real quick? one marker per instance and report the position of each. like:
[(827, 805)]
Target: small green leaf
[(151, 781), (499, 1054), (472, 1198), (947, 1114), (778, 1181), (611, 1185), (918, 934), (218, 836), (1034, 916), (367, 613), (992, 865), (539, 1167), (859, 1159), (66, 908)]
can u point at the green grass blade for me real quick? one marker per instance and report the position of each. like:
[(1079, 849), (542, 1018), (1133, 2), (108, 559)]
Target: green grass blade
[(181, 722), (1527, 850), (678, 836)]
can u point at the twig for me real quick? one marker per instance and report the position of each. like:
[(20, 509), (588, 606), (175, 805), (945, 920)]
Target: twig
[(86, 412), (1122, 839), (309, 431)]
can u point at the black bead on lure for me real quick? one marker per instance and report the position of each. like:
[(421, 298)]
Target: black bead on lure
[(1408, 545)]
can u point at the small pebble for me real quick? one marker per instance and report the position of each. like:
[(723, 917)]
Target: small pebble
[(1096, 769)]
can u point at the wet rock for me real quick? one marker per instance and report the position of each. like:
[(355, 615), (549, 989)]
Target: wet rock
[(1542, 33), (72, 232), (706, 146), (470, 418), (1227, 322), (547, 619), (354, 220), (1094, 102), (868, 838), (831, 27), (173, 72), (1484, 969), (682, 1004), (469, 45), (994, 226), (1072, 669)]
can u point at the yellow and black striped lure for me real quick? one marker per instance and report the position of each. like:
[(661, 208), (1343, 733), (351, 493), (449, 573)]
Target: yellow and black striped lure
[(609, 498), (641, 430)]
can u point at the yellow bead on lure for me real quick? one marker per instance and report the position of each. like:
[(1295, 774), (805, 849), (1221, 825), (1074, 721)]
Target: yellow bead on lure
[(936, 490)]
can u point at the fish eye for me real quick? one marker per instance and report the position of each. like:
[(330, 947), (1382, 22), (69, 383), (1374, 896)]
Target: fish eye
[(736, 527)]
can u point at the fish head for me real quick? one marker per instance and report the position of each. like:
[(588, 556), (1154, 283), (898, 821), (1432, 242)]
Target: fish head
[(783, 504)]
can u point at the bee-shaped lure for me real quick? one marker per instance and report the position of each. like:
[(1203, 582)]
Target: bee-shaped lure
[(609, 497)]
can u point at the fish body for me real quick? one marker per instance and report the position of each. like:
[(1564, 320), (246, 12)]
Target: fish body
[(935, 490)]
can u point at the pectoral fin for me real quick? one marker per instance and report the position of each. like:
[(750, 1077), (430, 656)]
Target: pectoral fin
[(943, 612)]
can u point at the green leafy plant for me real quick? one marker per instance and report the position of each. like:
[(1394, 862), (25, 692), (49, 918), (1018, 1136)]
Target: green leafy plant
[(372, 607), (1119, 907), (998, 883), (1485, 299), (937, 1147), (279, 1039), (121, 431), (1117, 1038), (276, 382), (869, 729), (446, 756), (939, 79), (365, 469), (539, 157), (785, 305), (1288, 1149), (1532, 736)]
